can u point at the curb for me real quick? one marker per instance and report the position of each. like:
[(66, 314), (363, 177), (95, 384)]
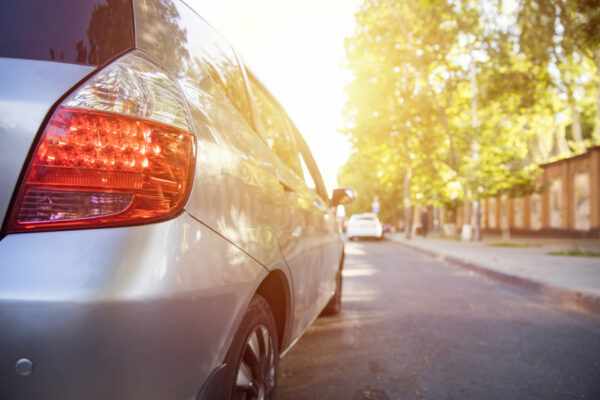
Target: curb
[(568, 298)]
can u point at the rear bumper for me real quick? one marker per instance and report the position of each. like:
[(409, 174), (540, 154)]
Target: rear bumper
[(134, 350), (364, 232), (144, 312)]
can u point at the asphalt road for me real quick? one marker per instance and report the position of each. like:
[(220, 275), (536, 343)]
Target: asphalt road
[(413, 327)]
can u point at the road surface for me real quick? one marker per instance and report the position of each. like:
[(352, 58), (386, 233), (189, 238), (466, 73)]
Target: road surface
[(413, 327)]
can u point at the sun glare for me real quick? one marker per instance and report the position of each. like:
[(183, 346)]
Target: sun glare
[(296, 48)]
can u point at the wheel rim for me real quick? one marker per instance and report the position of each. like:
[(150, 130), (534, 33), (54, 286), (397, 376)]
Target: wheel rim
[(255, 377)]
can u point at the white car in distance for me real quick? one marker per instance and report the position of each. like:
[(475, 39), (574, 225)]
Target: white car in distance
[(365, 225)]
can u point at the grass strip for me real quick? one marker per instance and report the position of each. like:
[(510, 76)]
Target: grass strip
[(575, 253), (512, 244)]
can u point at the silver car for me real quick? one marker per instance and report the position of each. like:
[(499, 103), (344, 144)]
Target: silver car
[(166, 232)]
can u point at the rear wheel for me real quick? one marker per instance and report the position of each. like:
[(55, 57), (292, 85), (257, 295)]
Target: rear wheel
[(254, 355)]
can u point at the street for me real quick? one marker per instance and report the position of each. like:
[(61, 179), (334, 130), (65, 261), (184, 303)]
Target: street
[(413, 327)]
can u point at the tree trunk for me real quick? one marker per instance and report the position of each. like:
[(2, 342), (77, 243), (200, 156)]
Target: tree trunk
[(576, 127), (504, 218), (575, 120), (442, 114), (407, 206), (477, 212), (394, 211), (506, 234), (561, 142), (596, 132), (475, 126)]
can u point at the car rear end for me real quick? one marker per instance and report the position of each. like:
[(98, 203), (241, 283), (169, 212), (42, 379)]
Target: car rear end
[(364, 226), (108, 288)]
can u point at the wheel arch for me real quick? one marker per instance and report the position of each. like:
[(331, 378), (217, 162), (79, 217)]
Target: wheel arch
[(275, 289)]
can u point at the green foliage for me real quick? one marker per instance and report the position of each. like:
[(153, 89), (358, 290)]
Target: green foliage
[(397, 109), (466, 97), (561, 38), (575, 252), (372, 177)]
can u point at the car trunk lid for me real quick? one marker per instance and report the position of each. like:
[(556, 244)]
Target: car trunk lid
[(28, 92), (46, 48)]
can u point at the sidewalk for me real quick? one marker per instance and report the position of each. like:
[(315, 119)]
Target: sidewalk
[(575, 281)]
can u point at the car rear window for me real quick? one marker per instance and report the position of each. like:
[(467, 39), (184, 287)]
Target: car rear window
[(362, 218), (87, 32)]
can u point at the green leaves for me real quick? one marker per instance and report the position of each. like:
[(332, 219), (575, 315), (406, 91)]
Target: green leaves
[(411, 100)]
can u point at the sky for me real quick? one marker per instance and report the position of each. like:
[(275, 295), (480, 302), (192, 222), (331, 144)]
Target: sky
[(296, 48)]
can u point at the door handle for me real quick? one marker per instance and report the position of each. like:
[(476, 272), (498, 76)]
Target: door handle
[(286, 188)]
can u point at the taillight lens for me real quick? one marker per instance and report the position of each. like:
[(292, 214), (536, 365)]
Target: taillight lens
[(94, 167)]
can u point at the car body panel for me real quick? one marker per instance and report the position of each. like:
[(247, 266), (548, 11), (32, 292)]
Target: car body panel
[(239, 184), (235, 186), (150, 311), (313, 253), (28, 91), (95, 303), (237, 194), (322, 237)]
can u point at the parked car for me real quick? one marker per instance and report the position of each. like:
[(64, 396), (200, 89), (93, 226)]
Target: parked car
[(365, 225), (160, 239)]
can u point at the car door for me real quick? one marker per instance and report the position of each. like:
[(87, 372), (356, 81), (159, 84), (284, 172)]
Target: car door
[(323, 241), (300, 227), (310, 241)]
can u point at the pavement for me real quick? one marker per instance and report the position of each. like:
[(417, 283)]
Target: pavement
[(574, 281)]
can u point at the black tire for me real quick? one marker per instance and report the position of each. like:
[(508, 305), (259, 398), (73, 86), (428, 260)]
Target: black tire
[(334, 306), (253, 358)]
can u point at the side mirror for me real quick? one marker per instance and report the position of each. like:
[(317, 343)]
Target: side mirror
[(342, 196)]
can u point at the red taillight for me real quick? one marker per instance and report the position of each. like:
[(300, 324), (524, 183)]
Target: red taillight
[(94, 168)]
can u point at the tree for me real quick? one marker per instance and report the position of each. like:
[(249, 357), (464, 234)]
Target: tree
[(370, 175), (561, 37), (401, 91), (416, 67), (590, 39)]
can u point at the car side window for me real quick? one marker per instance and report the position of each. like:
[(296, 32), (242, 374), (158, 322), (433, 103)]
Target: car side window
[(193, 49), (275, 130), (231, 82), (312, 175), (307, 176)]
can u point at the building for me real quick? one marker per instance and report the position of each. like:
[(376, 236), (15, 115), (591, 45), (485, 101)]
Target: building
[(569, 205)]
